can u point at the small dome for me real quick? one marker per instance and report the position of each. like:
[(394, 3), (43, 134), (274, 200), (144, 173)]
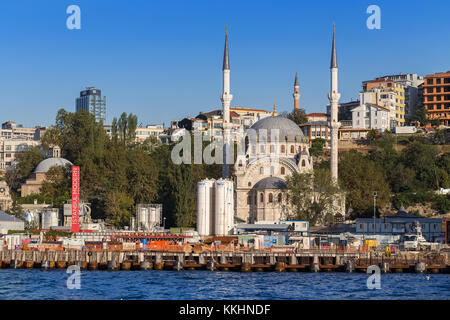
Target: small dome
[(46, 164), (288, 129), (270, 183)]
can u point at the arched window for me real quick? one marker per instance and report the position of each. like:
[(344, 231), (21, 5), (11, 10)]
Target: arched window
[(303, 163), (249, 184), (261, 170), (240, 163), (261, 197), (280, 197), (270, 198), (292, 149), (283, 149), (299, 149), (283, 171)]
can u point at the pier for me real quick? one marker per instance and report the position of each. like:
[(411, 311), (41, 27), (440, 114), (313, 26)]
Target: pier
[(244, 261)]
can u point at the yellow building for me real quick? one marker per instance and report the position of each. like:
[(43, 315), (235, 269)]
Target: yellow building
[(387, 93)]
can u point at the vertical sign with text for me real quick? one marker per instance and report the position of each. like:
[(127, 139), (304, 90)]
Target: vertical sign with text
[(75, 198)]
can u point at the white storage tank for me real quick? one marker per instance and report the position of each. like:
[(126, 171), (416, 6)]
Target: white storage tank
[(219, 214), (224, 207), (229, 207), (205, 207), (143, 219), (50, 219)]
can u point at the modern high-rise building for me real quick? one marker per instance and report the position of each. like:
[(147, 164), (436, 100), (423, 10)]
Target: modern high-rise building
[(436, 93), (92, 100)]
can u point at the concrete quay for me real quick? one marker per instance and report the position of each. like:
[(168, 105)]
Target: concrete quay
[(245, 261)]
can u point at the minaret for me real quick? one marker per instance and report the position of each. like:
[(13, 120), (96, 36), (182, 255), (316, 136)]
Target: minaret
[(334, 97), (296, 94), (226, 100)]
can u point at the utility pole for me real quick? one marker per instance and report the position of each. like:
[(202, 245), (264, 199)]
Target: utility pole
[(374, 212)]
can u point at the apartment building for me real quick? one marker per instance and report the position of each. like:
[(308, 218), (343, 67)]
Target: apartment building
[(436, 97)]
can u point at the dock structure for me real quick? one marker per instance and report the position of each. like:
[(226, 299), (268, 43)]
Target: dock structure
[(245, 261)]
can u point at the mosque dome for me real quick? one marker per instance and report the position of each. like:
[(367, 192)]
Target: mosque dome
[(270, 183), (288, 129), (46, 164)]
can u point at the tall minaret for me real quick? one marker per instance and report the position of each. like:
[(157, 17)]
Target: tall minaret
[(226, 100), (334, 97), (296, 94)]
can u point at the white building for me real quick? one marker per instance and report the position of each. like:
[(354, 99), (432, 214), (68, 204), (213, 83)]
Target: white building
[(370, 116), (151, 130), (411, 82)]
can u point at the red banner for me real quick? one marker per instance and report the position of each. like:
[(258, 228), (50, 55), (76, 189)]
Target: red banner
[(75, 199)]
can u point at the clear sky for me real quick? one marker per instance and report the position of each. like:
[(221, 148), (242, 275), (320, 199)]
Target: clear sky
[(162, 60)]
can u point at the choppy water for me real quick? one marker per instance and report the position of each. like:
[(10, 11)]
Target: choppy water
[(192, 285)]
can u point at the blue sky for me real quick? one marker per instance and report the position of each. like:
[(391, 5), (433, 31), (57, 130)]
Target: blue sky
[(162, 60)]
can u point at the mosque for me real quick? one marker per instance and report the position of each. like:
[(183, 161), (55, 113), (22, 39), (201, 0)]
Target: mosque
[(275, 148)]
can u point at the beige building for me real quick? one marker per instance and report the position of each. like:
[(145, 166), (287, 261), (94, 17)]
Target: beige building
[(261, 171), (10, 148), (5, 197), (153, 130), (389, 94)]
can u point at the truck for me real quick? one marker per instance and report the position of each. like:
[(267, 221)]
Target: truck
[(416, 241)]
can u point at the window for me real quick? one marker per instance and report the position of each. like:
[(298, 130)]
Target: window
[(303, 163), (292, 149), (270, 198), (261, 170), (430, 81), (280, 197), (240, 163), (446, 80), (282, 171), (248, 199), (283, 149), (438, 81), (261, 197), (249, 184)]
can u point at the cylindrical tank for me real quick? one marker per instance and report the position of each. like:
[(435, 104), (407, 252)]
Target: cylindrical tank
[(220, 207), (204, 203), (143, 219), (49, 219), (229, 207)]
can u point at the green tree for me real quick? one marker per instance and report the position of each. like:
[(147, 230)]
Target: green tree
[(298, 116), (317, 147), (119, 208), (26, 163), (57, 185), (360, 177), (420, 116), (313, 196)]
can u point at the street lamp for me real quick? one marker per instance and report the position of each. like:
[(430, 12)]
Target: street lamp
[(374, 211)]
